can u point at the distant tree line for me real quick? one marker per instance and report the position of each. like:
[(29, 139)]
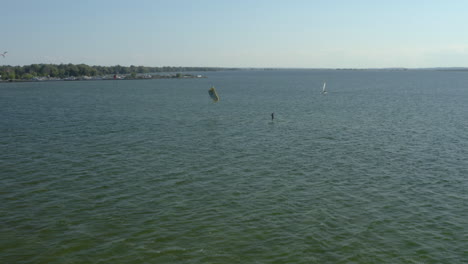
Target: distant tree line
[(77, 70)]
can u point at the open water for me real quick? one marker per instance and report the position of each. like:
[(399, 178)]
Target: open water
[(151, 171)]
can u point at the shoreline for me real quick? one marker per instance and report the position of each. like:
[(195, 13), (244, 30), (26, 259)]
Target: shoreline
[(106, 78)]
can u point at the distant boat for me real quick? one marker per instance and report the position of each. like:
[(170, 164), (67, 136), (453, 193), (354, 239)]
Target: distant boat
[(324, 90), (213, 94)]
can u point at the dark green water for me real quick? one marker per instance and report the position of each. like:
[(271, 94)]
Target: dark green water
[(154, 172)]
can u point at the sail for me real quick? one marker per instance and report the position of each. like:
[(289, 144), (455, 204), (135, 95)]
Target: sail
[(213, 94), (324, 91)]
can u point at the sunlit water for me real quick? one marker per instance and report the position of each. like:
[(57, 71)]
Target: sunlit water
[(152, 171)]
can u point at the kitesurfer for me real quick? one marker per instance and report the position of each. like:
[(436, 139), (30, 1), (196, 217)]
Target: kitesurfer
[(272, 116)]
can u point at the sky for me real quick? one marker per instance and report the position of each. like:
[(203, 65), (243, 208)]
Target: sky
[(241, 33)]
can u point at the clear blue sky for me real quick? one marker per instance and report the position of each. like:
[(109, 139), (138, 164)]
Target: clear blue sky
[(241, 33)]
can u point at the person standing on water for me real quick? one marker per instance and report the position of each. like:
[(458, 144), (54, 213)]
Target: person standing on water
[(272, 116)]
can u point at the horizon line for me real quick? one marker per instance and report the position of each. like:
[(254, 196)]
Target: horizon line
[(256, 67)]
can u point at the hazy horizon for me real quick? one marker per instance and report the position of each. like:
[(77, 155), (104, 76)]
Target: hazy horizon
[(250, 68), (262, 34)]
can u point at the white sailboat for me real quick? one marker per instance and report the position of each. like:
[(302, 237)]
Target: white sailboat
[(324, 91)]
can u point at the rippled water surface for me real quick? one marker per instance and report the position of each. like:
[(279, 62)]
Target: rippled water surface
[(152, 171)]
